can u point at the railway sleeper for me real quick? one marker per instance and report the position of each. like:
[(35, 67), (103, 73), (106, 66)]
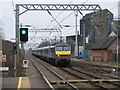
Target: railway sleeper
[(82, 81)]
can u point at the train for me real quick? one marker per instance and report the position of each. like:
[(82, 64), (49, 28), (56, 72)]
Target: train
[(58, 55)]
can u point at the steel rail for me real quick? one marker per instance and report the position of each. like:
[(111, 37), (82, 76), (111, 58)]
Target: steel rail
[(41, 73), (117, 84), (89, 67), (60, 77), (65, 81), (95, 84)]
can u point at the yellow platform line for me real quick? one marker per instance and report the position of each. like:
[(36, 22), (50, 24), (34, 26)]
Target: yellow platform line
[(19, 82), (25, 82)]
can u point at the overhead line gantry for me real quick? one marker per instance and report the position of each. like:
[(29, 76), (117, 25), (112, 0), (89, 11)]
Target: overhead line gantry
[(52, 7)]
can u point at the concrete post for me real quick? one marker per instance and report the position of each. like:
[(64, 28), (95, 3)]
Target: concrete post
[(16, 57), (76, 38)]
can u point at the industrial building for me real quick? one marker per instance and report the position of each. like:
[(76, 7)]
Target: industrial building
[(96, 25), (100, 30), (71, 40)]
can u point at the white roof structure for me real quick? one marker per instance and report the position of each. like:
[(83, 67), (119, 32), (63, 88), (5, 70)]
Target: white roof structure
[(44, 47)]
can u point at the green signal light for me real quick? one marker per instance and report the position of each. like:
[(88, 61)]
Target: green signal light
[(23, 34), (23, 31)]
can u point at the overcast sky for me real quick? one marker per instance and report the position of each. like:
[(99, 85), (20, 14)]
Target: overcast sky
[(42, 19)]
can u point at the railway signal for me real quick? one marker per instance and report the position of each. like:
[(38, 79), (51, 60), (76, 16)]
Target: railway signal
[(23, 34), (25, 63), (14, 48)]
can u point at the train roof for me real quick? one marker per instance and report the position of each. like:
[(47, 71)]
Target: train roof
[(59, 44), (62, 44), (45, 47)]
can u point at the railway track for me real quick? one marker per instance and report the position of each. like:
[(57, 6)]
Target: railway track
[(99, 75), (95, 80), (79, 79), (106, 70), (56, 77)]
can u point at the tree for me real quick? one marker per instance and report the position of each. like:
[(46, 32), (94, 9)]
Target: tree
[(49, 42), (44, 43), (1, 30)]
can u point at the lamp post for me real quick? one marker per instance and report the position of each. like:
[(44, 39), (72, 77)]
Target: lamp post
[(76, 38)]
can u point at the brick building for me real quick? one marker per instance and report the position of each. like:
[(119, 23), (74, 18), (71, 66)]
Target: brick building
[(105, 49)]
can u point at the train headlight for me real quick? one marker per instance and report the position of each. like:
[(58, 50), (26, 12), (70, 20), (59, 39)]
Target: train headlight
[(58, 55)]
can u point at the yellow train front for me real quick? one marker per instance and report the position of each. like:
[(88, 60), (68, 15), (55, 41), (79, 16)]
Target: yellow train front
[(63, 54), (59, 54)]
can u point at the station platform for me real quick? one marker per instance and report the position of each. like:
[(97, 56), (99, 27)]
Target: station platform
[(9, 82), (18, 83), (15, 82)]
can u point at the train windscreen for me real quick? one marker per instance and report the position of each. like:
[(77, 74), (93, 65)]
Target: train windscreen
[(62, 48), (66, 48), (59, 48)]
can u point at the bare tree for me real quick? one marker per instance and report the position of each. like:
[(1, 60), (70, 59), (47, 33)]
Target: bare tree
[(44, 43), (1, 30), (49, 42)]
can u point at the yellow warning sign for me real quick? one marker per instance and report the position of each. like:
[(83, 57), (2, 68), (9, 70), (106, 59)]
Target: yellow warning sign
[(3, 58), (0, 58)]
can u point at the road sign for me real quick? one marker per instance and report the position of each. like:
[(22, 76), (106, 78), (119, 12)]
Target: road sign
[(4, 68), (25, 63)]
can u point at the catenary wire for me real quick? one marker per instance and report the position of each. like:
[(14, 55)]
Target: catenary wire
[(56, 18), (13, 6)]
